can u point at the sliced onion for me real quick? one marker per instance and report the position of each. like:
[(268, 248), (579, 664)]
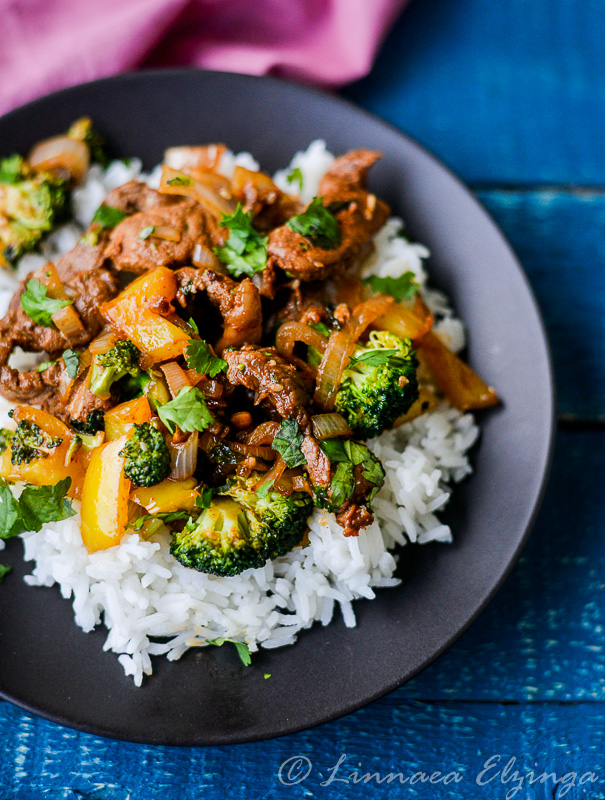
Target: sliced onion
[(166, 232), (207, 156), (184, 457), (405, 322), (266, 453), (292, 332), (285, 485), (243, 177), (328, 426), (175, 377), (61, 153), (340, 348), (274, 474), (204, 257), (104, 342), (49, 276), (68, 322), (264, 434), (209, 196)]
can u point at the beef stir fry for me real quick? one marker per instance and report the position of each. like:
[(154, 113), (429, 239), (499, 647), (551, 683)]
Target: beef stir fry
[(213, 362)]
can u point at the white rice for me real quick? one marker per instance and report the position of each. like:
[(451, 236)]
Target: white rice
[(151, 605)]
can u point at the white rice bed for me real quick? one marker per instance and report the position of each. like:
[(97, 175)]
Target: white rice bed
[(151, 604)]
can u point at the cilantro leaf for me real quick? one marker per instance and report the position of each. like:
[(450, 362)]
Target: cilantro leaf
[(287, 442), (193, 325), (35, 506), (4, 570), (40, 504), (107, 217), (343, 483), (188, 410), (44, 366), (200, 357), (373, 471), (373, 358), (72, 361), (146, 232), (334, 449), (205, 498), (165, 516), (242, 648), (38, 306), (295, 176), (11, 523), (402, 288), (317, 225), (245, 251)]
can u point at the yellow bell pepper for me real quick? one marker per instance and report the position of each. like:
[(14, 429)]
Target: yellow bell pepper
[(121, 419), (105, 497), (167, 496), (58, 464), (137, 314)]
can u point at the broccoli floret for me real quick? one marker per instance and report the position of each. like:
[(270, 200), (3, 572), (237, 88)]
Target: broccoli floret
[(242, 530), (30, 205), (93, 423), (6, 437), (146, 454), (110, 367), (378, 385), (30, 442)]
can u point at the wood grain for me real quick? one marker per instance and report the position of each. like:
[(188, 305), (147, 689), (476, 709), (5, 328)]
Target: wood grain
[(503, 92)]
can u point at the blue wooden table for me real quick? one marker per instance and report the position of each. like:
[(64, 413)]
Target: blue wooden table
[(512, 96)]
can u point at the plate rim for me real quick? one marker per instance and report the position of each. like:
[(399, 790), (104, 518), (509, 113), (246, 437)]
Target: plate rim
[(547, 451)]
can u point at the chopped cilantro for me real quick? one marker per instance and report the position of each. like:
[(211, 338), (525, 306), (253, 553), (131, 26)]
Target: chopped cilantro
[(180, 180), (317, 224), (402, 288), (205, 498), (267, 675), (200, 357), (35, 506), (188, 410), (295, 176), (146, 232), (193, 325), (72, 362), (4, 570), (242, 648), (38, 306), (245, 251), (44, 366), (287, 442), (107, 217), (343, 483), (373, 358)]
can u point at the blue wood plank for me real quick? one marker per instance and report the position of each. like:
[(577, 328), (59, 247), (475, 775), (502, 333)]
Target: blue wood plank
[(543, 636), (503, 92), (560, 240), (470, 742)]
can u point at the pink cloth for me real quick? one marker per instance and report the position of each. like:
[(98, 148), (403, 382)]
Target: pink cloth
[(48, 44)]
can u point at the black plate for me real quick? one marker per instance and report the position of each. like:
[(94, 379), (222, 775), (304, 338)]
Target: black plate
[(49, 666)]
